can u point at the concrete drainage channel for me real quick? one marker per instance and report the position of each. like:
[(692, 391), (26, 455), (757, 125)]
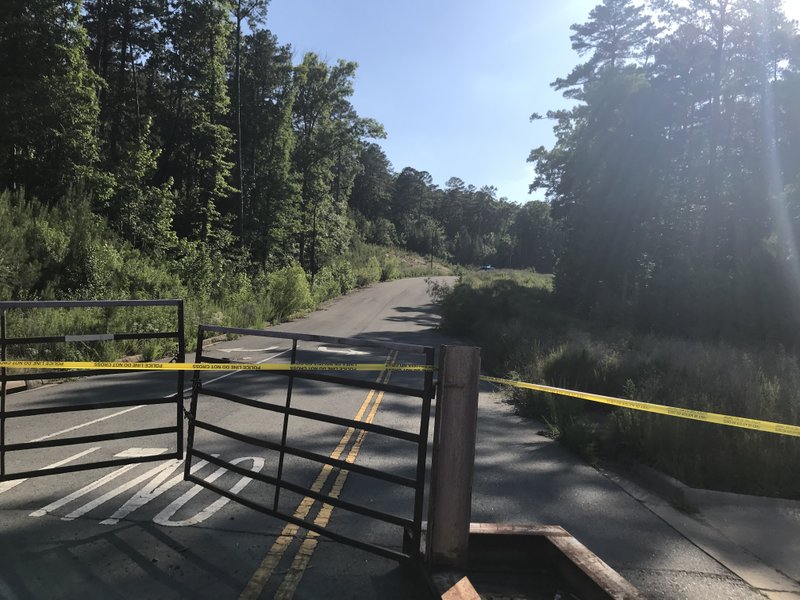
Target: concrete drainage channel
[(528, 562)]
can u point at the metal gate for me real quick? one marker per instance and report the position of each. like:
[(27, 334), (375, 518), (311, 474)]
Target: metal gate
[(411, 523), (7, 413)]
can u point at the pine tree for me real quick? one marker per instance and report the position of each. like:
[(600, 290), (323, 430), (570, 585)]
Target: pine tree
[(271, 192), (617, 32), (194, 106)]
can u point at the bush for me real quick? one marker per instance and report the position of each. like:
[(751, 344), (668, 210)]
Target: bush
[(343, 273), (390, 268), (370, 273), (325, 285), (288, 292)]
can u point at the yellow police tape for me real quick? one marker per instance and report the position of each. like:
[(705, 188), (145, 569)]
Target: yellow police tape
[(156, 366), (683, 413)]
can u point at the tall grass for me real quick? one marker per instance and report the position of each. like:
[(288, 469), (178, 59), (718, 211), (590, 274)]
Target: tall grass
[(524, 333)]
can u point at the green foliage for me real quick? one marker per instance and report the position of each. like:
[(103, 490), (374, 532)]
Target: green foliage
[(390, 268), (525, 331), (289, 292), (673, 192), (343, 273), (48, 100), (270, 189), (369, 273), (328, 134), (121, 131)]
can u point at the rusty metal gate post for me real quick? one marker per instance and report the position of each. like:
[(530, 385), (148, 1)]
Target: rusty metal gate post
[(454, 435)]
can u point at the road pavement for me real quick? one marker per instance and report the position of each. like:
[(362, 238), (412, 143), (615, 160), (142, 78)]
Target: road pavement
[(142, 532)]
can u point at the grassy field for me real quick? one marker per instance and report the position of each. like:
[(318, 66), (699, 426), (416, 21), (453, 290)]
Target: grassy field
[(525, 335)]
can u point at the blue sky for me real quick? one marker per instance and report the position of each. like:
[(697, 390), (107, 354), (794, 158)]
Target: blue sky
[(453, 82)]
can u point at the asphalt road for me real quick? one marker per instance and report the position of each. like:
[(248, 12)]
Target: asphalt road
[(142, 532)]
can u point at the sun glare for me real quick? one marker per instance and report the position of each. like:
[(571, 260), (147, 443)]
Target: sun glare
[(792, 9)]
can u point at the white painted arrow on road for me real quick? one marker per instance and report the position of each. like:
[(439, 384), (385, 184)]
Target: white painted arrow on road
[(347, 351)]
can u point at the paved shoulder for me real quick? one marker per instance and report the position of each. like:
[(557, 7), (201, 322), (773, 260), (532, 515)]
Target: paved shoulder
[(523, 477)]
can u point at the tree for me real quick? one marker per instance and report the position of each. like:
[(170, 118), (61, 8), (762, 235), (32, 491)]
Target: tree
[(121, 38), (617, 32), (535, 237), (254, 11), (328, 133), (191, 118), (270, 188), (48, 100), (371, 196), (670, 181)]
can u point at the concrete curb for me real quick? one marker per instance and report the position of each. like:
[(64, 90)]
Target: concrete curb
[(682, 507), (13, 387), (681, 494)]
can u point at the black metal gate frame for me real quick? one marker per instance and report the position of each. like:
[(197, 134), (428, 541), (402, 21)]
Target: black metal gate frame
[(412, 528), (5, 414)]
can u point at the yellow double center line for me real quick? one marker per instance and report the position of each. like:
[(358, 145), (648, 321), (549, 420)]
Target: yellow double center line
[(264, 572)]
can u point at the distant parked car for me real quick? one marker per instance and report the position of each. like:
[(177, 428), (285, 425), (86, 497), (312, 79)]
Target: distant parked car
[(487, 268)]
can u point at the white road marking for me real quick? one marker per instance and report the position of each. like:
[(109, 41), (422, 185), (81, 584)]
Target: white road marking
[(129, 453), (229, 350), (127, 410), (82, 425), (7, 485), (150, 492), (165, 516), (83, 491), (140, 452), (164, 469), (347, 351)]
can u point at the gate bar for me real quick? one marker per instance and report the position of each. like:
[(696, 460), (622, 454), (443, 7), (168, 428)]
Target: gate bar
[(285, 427), (302, 491), (307, 414), (111, 337), (338, 537), (306, 337), (5, 304), (308, 455), (175, 429), (3, 381), (53, 410), (90, 439), (422, 455), (359, 383)]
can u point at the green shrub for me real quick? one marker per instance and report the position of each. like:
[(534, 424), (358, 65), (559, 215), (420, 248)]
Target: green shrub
[(289, 292), (325, 285), (369, 273), (390, 268), (343, 273)]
